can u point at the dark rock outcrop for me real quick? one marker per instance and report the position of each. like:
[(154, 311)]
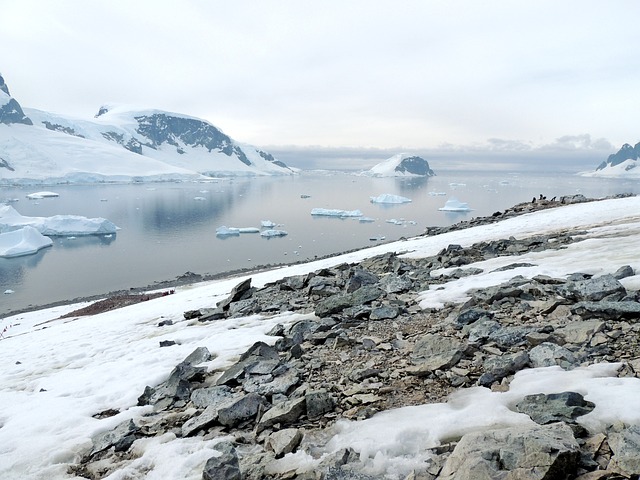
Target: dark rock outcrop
[(10, 109)]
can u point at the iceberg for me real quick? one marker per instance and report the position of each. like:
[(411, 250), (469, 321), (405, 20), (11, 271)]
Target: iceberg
[(267, 224), (334, 212), (224, 231), (24, 241), (273, 233), (366, 220), (389, 198), (455, 205), (57, 225), (39, 195)]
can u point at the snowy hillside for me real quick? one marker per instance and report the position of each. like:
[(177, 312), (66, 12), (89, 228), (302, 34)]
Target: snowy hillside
[(402, 165), (622, 164), (119, 144), (60, 372)]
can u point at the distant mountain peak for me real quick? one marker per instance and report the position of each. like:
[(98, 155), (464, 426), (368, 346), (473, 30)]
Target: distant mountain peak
[(10, 109), (626, 152), (403, 165)]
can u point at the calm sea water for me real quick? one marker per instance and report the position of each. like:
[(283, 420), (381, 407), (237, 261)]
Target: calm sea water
[(169, 229)]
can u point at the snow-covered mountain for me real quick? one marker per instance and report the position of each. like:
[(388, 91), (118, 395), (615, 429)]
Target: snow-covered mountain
[(623, 163), (119, 144), (402, 165)]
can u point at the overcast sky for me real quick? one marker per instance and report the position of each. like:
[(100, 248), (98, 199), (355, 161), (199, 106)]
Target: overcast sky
[(385, 74)]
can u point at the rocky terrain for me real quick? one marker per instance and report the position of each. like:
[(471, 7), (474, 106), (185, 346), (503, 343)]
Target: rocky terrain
[(364, 345)]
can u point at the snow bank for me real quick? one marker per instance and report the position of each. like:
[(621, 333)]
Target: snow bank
[(24, 241), (455, 205), (389, 198)]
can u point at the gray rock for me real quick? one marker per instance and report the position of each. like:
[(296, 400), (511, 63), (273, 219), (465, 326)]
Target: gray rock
[(203, 397), (624, 442), (472, 315), (534, 453), (624, 272), (580, 332), (359, 278), (481, 330), (177, 388), (224, 466), (393, 283), (318, 403), (240, 292), (280, 384), (384, 313), (198, 356), (337, 303), (285, 412), (244, 408), (497, 368), (555, 407), (507, 337), (607, 310), (207, 418), (549, 354), (592, 289), (283, 441), (436, 352), (120, 438)]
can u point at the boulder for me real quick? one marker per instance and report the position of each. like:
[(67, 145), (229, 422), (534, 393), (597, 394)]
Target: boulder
[(525, 452), (555, 407), (224, 466)]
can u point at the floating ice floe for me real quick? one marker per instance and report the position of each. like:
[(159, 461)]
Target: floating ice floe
[(24, 241), (57, 225), (225, 231), (273, 233), (39, 195), (267, 224), (401, 221), (366, 220), (377, 238), (455, 205), (389, 198), (437, 194), (453, 184), (8, 291), (199, 199), (334, 212)]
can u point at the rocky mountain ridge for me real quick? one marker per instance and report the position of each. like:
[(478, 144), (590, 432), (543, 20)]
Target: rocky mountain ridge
[(363, 345), (170, 145), (626, 152)]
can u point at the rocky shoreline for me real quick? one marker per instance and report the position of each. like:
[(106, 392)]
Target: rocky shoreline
[(364, 345)]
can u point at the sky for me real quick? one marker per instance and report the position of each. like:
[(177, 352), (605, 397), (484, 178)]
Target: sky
[(57, 372), (452, 76)]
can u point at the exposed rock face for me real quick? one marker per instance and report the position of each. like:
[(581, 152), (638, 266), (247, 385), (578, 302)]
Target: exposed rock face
[(343, 360), (627, 152), (415, 166), (10, 109)]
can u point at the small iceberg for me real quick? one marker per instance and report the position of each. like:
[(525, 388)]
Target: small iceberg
[(389, 199), (267, 224), (273, 233), (39, 195), (455, 205), (57, 225), (334, 212), (24, 241), (437, 194), (366, 220), (199, 199), (225, 231), (377, 238)]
